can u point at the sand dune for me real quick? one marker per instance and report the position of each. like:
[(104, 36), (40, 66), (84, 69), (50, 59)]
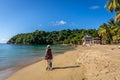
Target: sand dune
[(98, 62)]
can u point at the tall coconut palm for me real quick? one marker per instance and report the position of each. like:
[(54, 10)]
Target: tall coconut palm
[(114, 5), (116, 33), (114, 29), (104, 33)]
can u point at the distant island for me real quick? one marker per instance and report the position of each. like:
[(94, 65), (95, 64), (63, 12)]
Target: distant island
[(109, 33)]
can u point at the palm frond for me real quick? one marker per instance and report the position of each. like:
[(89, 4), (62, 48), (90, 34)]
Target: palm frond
[(117, 17)]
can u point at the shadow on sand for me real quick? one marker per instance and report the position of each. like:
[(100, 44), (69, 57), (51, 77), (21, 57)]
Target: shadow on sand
[(66, 67)]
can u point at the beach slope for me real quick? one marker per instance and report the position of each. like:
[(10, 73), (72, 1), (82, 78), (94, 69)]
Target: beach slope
[(98, 62)]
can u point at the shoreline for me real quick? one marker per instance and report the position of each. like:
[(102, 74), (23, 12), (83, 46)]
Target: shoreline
[(6, 73), (98, 62), (42, 60)]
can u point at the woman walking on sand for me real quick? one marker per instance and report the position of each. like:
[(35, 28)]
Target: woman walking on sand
[(48, 57)]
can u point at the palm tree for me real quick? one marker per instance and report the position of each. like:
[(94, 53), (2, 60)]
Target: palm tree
[(103, 32), (114, 29), (115, 33), (114, 5)]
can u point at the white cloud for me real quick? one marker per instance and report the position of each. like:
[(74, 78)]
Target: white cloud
[(94, 7), (60, 23)]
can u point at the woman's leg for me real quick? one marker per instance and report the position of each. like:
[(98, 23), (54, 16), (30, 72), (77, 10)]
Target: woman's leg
[(51, 64), (48, 64)]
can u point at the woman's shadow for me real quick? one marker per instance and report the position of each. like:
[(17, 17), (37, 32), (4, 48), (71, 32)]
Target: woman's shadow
[(66, 67)]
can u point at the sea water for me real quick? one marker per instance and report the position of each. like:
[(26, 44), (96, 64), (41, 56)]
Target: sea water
[(12, 57)]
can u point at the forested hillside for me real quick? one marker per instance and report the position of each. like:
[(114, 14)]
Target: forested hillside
[(54, 37), (108, 32)]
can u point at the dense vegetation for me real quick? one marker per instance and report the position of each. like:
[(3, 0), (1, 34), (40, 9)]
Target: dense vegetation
[(108, 32), (54, 37)]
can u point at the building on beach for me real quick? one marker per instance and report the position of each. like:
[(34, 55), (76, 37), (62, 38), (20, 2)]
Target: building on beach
[(88, 40)]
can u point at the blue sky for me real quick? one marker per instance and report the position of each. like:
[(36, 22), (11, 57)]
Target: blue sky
[(23, 16)]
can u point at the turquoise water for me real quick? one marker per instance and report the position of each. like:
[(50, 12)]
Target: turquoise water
[(14, 56)]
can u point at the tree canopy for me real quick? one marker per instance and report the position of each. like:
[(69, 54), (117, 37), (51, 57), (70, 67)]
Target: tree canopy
[(108, 32), (55, 37)]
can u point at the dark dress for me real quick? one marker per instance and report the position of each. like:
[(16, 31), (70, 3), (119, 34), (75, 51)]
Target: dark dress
[(48, 54)]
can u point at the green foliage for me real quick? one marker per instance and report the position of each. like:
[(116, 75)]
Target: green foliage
[(114, 5), (55, 37), (109, 32)]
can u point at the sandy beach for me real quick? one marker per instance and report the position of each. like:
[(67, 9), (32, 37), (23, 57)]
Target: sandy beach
[(98, 62)]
